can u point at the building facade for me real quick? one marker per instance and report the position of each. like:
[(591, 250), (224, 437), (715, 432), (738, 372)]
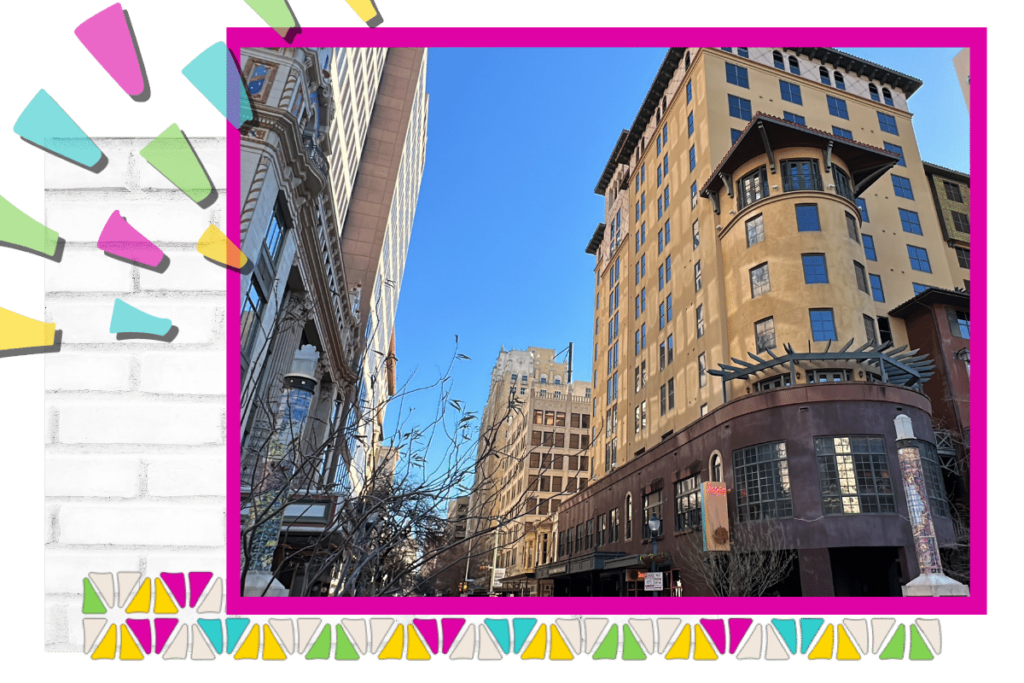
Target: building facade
[(762, 214), (951, 191), (962, 64), (320, 156), (535, 436)]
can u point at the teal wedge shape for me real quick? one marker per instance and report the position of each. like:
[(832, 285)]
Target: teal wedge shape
[(786, 629), (214, 631), (236, 627), (47, 125), (808, 629), (522, 628), (499, 628), (127, 318), (215, 74)]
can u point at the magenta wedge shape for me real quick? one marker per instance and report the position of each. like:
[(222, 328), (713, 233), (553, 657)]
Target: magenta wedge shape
[(121, 239), (107, 37)]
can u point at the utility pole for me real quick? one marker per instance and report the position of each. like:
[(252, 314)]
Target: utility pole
[(569, 381)]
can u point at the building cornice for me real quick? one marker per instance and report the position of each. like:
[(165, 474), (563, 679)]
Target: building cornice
[(861, 67)]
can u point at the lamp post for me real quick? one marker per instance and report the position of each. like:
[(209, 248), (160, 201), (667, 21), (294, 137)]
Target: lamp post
[(655, 524), (965, 355)]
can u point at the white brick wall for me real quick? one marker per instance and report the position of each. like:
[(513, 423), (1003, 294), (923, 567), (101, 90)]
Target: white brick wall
[(134, 455)]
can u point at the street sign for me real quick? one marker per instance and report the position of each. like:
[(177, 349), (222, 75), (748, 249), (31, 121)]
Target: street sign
[(652, 581)]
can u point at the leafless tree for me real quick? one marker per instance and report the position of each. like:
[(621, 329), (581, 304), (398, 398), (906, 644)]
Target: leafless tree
[(756, 562)]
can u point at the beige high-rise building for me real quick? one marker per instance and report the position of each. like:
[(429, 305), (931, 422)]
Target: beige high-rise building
[(764, 213), (533, 454), (962, 64)]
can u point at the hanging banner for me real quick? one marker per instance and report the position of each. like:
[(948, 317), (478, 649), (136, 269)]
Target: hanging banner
[(714, 516)]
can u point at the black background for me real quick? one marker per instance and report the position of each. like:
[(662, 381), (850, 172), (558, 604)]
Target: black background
[(49, 56)]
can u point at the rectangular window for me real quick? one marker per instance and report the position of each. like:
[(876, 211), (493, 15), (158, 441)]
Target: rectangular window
[(887, 123), (643, 336), (959, 323), (837, 107), (689, 91), (764, 333), (896, 149), (735, 135), (807, 218), (884, 330), (901, 186), (668, 269), (851, 227), (652, 508), (700, 321), (952, 192), (696, 234), (763, 490), (876, 288), (794, 118), (687, 495), (693, 157), (759, 281), (590, 535), (693, 195), (613, 522), (736, 75), (665, 196), (659, 207), (659, 145), (823, 327), (702, 370), (742, 52), (643, 300), (643, 265), (961, 223), (696, 276), (664, 168), (661, 240), (668, 224), (815, 270), (842, 133), (272, 240), (854, 475), (963, 257), (869, 329), (689, 125), (661, 316), (869, 247), (755, 230), (643, 202), (636, 308), (739, 108), (252, 309), (602, 529), (668, 308), (790, 92), (919, 259), (671, 350), (919, 288), (659, 185), (862, 277), (863, 206), (664, 399), (910, 221)]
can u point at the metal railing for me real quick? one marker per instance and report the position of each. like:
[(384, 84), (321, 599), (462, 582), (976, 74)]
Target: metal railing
[(315, 155), (802, 181)]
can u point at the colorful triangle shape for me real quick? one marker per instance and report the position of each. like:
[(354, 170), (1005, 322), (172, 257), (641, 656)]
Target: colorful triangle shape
[(197, 582), (107, 646), (345, 650), (215, 74), (631, 650), (171, 154), (393, 650), (702, 649), (140, 629), (823, 650), (450, 629), (250, 647), (737, 629), (164, 605), (787, 629), (129, 650), (559, 649), (499, 629), (609, 647), (19, 229), (845, 650), (521, 628), (175, 584), (537, 646), (271, 648), (216, 246), (140, 603), (44, 123), (215, 632), (894, 650), (107, 37), (918, 648), (236, 627), (164, 628), (809, 628), (417, 650), (321, 648), (681, 648), (428, 629), (91, 603)]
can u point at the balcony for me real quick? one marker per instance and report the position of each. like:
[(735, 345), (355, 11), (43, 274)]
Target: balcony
[(315, 155), (802, 182)]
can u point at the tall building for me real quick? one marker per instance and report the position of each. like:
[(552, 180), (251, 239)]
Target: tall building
[(951, 191), (330, 171), (375, 183), (762, 214), (535, 432), (962, 64)]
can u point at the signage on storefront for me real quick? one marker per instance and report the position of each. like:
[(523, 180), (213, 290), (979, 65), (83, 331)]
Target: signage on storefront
[(715, 516), (499, 574), (652, 581)]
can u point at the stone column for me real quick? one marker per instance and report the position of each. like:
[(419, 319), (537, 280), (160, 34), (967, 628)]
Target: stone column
[(270, 493), (931, 581)]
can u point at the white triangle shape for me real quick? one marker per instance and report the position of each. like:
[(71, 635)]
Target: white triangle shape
[(858, 630), (879, 630), (488, 646), (931, 631), (285, 633), (307, 629), (573, 633), (93, 628), (356, 629), (105, 585), (212, 602), (178, 647), (378, 629), (752, 648), (125, 583), (666, 629), (200, 648), (644, 631), (593, 629), (466, 645), (775, 651)]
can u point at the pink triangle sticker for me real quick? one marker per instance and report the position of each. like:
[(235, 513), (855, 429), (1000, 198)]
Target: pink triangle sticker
[(176, 584), (737, 629), (715, 628), (164, 629), (197, 582), (450, 629), (106, 35), (140, 628), (428, 629), (121, 239)]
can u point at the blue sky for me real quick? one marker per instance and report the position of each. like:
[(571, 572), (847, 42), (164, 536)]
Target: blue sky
[(517, 140)]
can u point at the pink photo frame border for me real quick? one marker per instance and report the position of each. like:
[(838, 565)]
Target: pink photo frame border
[(974, 38)]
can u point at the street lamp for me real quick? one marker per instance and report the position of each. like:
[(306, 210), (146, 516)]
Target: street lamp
[(965, 355), (655, 525)]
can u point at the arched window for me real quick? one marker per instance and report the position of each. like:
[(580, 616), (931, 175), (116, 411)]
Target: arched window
[(716, 467), (777, 56), (543, 379), (558, 379), (629, 516), (687, 63), (840, 83), (823, 72), (874, 92), (887, 96), (794, 66)]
